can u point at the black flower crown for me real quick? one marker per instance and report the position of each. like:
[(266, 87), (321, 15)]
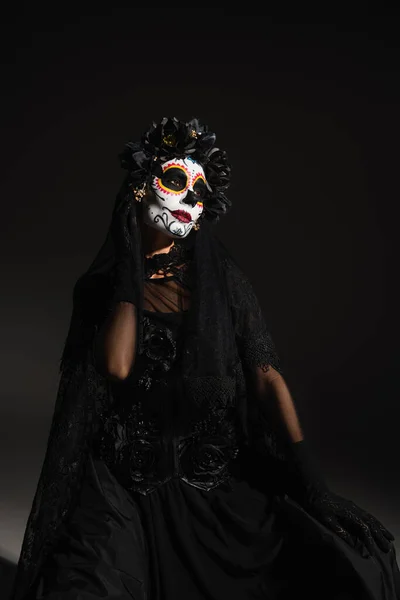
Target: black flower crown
[(172, 138)]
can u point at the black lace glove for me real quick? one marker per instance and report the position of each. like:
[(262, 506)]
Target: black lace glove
[(353, 524), (123, 273)]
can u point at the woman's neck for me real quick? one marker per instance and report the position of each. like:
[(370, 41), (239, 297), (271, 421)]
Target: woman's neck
[(155, 241)]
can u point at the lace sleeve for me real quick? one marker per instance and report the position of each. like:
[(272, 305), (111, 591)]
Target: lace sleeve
[(271, 414), (255, 345)]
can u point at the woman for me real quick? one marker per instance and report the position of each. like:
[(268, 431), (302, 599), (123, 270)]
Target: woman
[(176, 465)]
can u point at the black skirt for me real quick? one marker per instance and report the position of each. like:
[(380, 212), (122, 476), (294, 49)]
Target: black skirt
[(182, 543)]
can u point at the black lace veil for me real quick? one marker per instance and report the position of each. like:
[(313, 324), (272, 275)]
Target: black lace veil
[(226, 336)]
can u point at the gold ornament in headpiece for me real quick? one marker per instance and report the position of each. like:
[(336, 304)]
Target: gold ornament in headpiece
[(169, 139), (139, 192), (194, 134)]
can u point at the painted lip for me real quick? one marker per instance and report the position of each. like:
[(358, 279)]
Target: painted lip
[(182, 215)]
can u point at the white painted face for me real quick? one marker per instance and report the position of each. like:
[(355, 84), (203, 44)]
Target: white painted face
[(175, 201)]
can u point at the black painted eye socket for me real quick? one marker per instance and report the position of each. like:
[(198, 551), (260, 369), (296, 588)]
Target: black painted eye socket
[(174, 179), (200, 189)]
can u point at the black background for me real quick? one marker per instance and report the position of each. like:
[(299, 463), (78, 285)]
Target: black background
[(309, 114)]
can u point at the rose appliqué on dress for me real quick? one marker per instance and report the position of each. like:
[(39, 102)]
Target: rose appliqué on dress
[(204, 460), (159, 347), (142, 459)]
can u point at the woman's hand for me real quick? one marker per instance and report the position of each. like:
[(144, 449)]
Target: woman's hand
[(121, 228), (125, 270), (353, 524), (347, 520)]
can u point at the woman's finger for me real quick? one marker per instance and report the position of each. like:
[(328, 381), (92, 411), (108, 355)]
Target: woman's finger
[(335, 526)]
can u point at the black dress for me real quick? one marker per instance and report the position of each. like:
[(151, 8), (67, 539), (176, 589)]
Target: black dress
[(172, 508)]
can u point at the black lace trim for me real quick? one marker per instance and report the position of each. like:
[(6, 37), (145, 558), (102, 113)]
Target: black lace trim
[(81, 393), (175, 261)]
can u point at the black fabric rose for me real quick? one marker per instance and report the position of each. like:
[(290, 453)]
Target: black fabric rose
[(158, 345), (208, 458), (205, 459), (172, 138), (159, 351), (142, 459)]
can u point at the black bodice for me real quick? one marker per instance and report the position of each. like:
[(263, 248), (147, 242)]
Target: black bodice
[(153, 433)]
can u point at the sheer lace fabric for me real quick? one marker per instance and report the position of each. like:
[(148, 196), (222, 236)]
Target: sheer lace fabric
[(165, 295)]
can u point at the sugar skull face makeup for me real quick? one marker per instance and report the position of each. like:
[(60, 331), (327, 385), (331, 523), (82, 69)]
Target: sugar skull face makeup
[(175, 202)]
